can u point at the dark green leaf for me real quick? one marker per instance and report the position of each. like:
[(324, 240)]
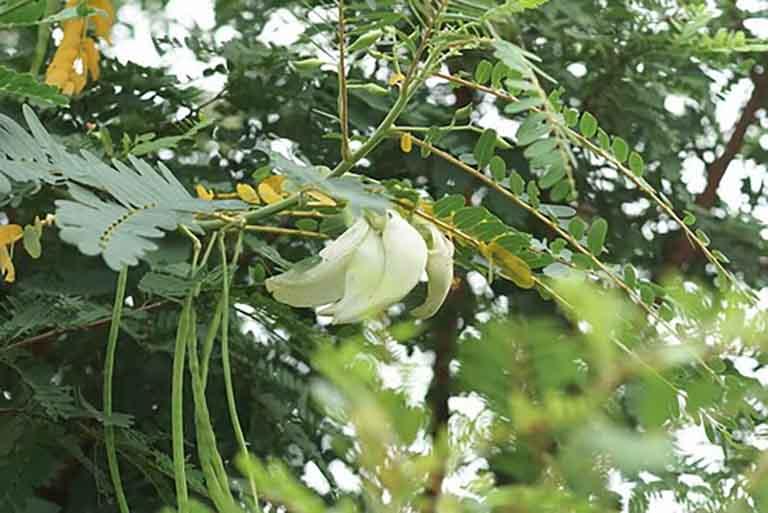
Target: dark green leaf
[(483, 72), (24, 85), (485, 147), (498, 168)]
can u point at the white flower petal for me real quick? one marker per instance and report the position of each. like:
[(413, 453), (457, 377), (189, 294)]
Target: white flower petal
[(439, 272), (364, 274), (405, 257), (323, 283)]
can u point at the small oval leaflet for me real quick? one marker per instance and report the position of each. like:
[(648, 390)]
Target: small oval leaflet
[(588, 125), (596, 236)]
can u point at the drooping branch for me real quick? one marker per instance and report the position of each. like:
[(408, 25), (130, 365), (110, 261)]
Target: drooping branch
[(679, 251)]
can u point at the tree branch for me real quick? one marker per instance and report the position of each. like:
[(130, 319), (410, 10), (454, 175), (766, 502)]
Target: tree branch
[(680, 252), (42, 337)]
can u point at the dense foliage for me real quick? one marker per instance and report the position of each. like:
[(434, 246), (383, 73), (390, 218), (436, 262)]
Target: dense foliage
[(605, 314)]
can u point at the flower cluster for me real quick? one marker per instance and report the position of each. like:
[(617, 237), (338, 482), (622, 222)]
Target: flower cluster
[(9, 234), (77, 57), (366, 270)]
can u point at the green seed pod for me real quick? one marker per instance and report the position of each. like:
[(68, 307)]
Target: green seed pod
[(373, 89), (307, 64), (366, 40)]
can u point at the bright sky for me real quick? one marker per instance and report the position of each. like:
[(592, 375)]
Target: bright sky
[(284, 28)]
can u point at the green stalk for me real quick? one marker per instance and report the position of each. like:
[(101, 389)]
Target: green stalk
[(109, 368), (211, 462), (177, 407), (213, 328), (43, 37), (381, 132), (235, 419)]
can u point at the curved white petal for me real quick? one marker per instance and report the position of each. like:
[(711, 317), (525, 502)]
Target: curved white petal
[(439, 272), (323, 283), (364, 273), (405, 257)]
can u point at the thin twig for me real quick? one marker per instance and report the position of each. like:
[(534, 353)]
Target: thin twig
[(641, 184), (343, 98), (285, 231), (60, 331)]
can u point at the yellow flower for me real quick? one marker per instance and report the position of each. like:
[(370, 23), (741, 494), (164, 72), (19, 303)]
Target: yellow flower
[(406, 142), (71, 65), (247, 193), (9, 234), (321, 198), (396, 79), (203, 193), (77, 57), (271, 189), (102, 25)]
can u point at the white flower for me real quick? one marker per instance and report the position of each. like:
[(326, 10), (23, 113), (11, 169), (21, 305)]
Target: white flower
[(323, 283), (363, 272), (439, 273)]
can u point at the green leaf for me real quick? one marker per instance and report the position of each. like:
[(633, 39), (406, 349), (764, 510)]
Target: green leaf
[(721, 256), (653, 401), (647, 294), (152, 145), (485, 147), (582, 261), (571, 117), (561, 191), (516, 86), (516, 183), (703, 237), (24, 85), (636, 164), (135, 204), (620, 149), (499, 73), (483, 72), (467, 217), (540, 148), (533, 194), (309, 225), (18, 13), (32, 14), (558, 245), (463, 113), (702, 393), (333, 225), (498, 168), (577, 227), (533, 128), (31, 240), (448, 205), (488, 230), (596, 236), (588, 125), (630, 275), (603, 139), (523, 105), (553, 176)]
